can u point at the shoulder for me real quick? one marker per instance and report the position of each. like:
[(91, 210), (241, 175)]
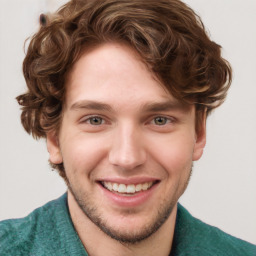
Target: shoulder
[(198, 238), (23, 236)]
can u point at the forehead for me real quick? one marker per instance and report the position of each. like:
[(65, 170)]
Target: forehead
[(114, 74)]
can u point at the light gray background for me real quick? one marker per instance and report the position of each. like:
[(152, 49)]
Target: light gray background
[(222, 191)]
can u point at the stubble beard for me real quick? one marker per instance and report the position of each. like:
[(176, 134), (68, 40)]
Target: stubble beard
[(163, 213)]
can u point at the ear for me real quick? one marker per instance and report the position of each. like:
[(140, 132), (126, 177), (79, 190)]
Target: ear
[(53, 148), (200, 138)]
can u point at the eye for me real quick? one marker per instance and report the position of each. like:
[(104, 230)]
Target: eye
[(160, 120), (94, 120)]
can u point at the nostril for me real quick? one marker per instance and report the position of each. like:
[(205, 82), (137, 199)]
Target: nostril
[(127, 160)]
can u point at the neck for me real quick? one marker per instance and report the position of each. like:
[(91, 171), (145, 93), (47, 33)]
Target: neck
[(98, 243)]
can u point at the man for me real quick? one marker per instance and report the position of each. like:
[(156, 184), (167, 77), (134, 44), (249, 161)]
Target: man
[(121, 91)]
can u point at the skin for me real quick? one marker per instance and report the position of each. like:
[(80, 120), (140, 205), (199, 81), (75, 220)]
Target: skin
[(120, 125)]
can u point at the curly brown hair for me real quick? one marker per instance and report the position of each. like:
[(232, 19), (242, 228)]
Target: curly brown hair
[(167, 34)]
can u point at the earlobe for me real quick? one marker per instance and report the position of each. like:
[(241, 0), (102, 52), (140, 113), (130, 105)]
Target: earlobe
[(53, 148), (200, 140)]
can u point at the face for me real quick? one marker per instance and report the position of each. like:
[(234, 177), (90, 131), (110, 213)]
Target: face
[(126, 143)]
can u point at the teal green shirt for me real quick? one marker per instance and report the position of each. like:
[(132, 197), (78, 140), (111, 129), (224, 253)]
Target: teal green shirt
[(49, 231)]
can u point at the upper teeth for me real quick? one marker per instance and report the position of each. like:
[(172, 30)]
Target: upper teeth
[(131, 188)]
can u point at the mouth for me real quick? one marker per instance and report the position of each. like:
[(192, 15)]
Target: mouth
[(127, 189)]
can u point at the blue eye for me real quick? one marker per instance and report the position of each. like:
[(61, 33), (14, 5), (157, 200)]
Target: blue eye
[(95, 120), (160, 120)]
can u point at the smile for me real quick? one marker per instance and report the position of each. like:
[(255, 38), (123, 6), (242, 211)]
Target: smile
[(127, 189)]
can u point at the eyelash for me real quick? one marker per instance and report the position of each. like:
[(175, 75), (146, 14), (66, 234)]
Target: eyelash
[(90, 118), (167, 120)]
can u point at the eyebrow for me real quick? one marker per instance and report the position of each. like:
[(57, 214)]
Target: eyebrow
[(147, 107), (164, 106), (94, 105)]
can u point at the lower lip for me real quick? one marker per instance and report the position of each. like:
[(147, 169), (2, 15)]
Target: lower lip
[(129, 200)]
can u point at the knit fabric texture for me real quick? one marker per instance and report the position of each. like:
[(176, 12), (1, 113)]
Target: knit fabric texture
[(49, 231)]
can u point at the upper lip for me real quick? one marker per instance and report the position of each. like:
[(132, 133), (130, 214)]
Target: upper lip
[(131, 180)]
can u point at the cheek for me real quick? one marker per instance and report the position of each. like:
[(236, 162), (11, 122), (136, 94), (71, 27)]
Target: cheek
[(81, 153), (174, 154)]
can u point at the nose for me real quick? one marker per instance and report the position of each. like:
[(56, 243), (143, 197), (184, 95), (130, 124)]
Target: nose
[(127, 150)]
